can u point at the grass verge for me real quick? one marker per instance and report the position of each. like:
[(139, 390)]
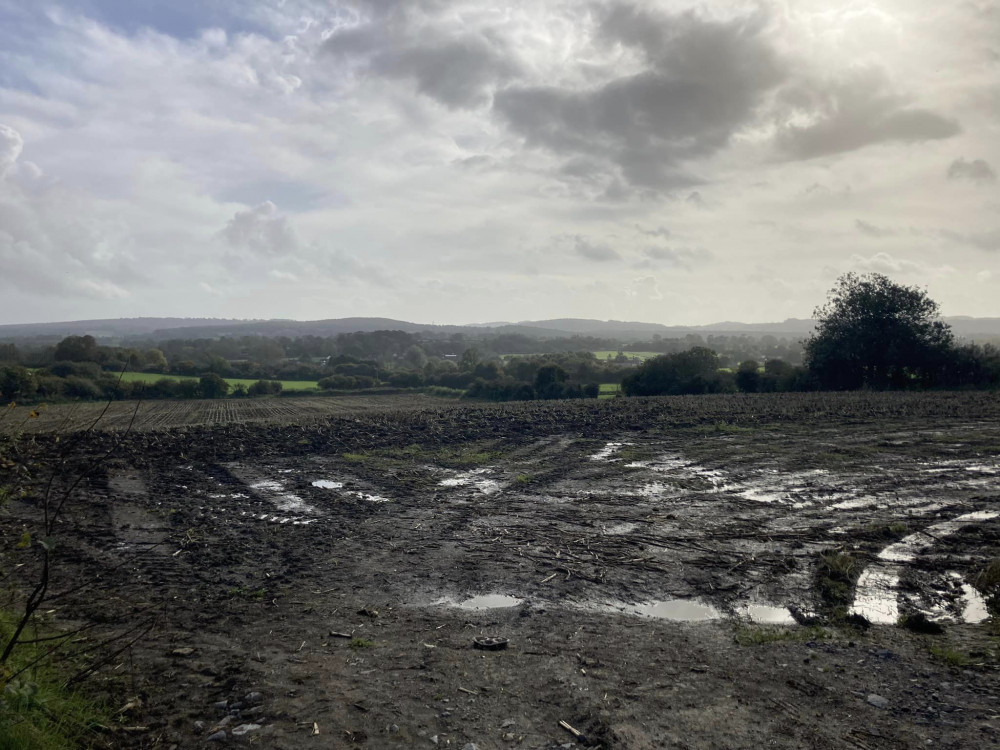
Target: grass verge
[(36, 711)]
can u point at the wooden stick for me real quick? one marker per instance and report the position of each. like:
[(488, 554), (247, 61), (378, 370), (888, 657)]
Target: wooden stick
[(576, 733)]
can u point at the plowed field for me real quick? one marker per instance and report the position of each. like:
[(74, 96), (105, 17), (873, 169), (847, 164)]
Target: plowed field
[(704, 572)]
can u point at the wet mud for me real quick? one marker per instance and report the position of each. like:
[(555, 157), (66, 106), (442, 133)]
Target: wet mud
[(657, 576)]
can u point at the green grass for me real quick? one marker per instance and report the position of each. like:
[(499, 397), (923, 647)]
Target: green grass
[(152, 377), (609, 390), (458, 457), (361, 643), (608, 353), (36, 712), (949, 655), (757, 636)]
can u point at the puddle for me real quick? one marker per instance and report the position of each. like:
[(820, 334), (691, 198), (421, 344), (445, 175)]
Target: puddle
[(675, 610), (876, 595), (484, 601), (974, 611), (327, 484), (655, 489), (287, 501), (906, 549), (763, 496), (619, 529), (855, 503), (473, 478), (607, 451), (877, 591), (765, 614), (369, 497)]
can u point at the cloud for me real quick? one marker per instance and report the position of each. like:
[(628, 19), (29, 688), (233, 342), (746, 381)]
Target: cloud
[(646, 287), (978, 171), (871, 230), (849, 113), (11, 145), (673, 257), (55, 243), (458, 70), (699, 81), (887, 264), (340, 265), (594, 251), (261, 230), (989, 240), (658, 232)]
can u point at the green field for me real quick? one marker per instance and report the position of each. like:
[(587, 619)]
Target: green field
[(152, 377), (609, 390), (610, 354)]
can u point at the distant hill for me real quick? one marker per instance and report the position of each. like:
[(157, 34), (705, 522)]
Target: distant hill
[(159, 329)]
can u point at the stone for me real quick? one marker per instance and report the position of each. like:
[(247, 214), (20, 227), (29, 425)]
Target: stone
[(508, 723), (253, 698), (219, 736), (245, 729), (186, 651), (878, 701), (221, 705), (200, 726), (471, 746), (222, 724)]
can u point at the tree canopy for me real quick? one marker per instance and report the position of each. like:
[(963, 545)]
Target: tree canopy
[(875, 333)]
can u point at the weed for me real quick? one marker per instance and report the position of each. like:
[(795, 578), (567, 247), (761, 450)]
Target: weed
[(361, 643), (36, 711), (918, 623), (631, 453), (523, 479), (894, 530), (987, 578), (246, 593), (949, 655), (836, 573), (756, 636)]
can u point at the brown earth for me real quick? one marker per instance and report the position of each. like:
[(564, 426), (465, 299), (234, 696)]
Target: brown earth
[(579, 511)]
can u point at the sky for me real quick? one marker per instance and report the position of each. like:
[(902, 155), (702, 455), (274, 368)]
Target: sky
[(471, 161)]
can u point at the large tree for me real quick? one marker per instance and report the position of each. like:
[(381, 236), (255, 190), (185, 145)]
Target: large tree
[(875, 333)]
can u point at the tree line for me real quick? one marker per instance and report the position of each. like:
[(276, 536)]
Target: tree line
[(871, 333)]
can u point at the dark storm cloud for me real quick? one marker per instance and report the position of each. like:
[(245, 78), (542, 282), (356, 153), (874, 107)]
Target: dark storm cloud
[(859, 111), (701, 81), (458, 70), (978, 171)]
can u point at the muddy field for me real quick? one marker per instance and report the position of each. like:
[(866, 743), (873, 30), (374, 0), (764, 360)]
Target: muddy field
[(694, 572)]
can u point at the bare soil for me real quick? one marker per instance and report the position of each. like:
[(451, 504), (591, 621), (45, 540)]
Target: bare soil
[(343, 608)]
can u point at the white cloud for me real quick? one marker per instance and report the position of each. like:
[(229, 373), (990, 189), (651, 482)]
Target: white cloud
[(11, 145), (899, 267), (261, 230), (267, 154)]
